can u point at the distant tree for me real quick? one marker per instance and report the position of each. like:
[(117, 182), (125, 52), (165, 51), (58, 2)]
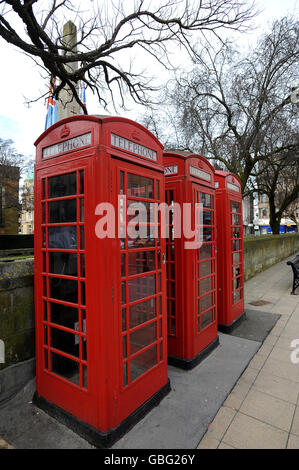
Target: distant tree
[(107, 32), (279, 180), (231, 108), (12, 165)]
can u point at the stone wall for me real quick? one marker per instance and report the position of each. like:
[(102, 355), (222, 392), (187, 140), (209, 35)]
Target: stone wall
[(261, 252), (16, 325)]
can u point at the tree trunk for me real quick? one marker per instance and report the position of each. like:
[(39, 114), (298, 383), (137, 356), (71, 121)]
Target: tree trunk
[(275, 225)]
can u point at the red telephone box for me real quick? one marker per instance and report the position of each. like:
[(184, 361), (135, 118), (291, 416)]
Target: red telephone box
[(100, 299), (230, 259), (191, 273)]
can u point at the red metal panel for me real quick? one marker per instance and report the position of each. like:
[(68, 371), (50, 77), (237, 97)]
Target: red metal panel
[(230, 248), (78, 287), (189, 179)]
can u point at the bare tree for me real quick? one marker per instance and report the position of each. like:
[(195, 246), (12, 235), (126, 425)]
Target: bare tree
[(108, 31), (231, 108), (279, 180)]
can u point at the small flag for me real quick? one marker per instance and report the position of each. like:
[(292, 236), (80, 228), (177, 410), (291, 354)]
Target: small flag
[(83, 97), (52, 107)]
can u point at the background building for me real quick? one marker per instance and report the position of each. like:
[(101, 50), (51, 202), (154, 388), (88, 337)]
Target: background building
[(9, 200), (27, 214)]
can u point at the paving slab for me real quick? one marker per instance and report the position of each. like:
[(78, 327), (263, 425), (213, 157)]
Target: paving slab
[(178, 422), (182, 418)]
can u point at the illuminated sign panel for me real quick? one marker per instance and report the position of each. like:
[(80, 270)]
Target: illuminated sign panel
[(200, 173), (67, 145), (133, 147), (170, 170), (233, 187)]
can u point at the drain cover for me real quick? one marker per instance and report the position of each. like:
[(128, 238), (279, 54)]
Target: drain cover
[(259, 303)]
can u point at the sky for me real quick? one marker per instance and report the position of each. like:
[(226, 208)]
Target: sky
[(20, 80)]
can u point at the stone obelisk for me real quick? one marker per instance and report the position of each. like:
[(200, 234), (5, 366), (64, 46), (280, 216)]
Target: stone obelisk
[(67, 105)]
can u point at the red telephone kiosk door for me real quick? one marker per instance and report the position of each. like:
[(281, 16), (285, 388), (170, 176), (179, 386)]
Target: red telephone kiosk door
[(191, 268), (100, 288), (230, 258)]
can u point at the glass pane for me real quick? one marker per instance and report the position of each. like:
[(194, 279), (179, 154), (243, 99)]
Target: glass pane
[(64, 289), (82, 264), (236, 258), (206, 302), (82, 241), (62, 185), (84, 376), (62, 211), (83, 294), (63, 263), (206, 319), (123, 292), (43, 213), (237, 283), (160, 328), (141, 262), (207, 234), (82, 210), (235, 207), (205, 285), (171, 289), (125, 374), (235, 219), (81, 182), (64, 315), (157, 190), (236, 232), (236, 271), (63, 238), (45, 286), (206, 268), (65, 341), (207, 218), (142, 287), (65, 367), (139, 242), (143, 337), (122, 184), (139, 186), (143, 362), (141, 212), (205, 251), (45, 310), (171, 271), (124, 347), (142, 312), (236, 245), (205, 200), (123, 265), (46, 359), (237, 296), (124, 322)]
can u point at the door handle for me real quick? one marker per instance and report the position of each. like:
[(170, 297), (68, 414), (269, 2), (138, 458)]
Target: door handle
[(163, 258)]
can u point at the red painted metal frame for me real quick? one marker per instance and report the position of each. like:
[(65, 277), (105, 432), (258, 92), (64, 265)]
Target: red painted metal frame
[(102, 401), (229, 245), (187, 339)]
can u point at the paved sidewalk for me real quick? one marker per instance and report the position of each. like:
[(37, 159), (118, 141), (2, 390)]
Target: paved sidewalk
[(262, 410), (258, 409)]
